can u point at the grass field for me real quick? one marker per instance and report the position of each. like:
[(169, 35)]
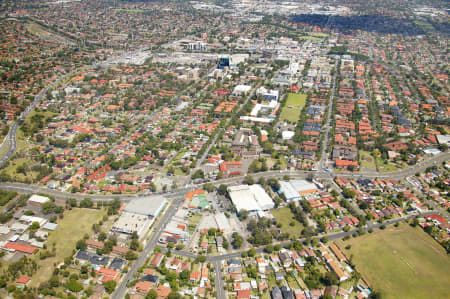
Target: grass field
[(40, 31), (385, 167), (296, 100), (37, 29), (366, 160), (318, 34), (294, 105), (12, 169), (75, 224), (402, 262), (313, 36), (285, 217)]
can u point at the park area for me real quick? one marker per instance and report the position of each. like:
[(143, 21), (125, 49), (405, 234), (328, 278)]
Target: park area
[(293, 107), (289, 224), (401, 262), (367, 161), (75, 224)]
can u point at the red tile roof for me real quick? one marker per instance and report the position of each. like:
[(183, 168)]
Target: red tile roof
[(20, 247)]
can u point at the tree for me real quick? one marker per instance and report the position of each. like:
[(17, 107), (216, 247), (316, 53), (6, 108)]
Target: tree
[(151, 295), (86, 203), (81, 245), (185, 274), (348, 193), (74, 285), (101, 236), (174, 295), (110, 286), (134, 244), (249, 180), (251, 252), (223, 189), (48, 207), (269, 248), (130, 255), (243, 214), (375, 295), (72, 202), (198, 174), (330, 278), (34, 226), (237, 240), (201, 259), (209, 187)]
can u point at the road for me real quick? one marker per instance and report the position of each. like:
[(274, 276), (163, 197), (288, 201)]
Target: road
[(149, 247), (220, 286), (205, 154), (331, 236), (397, 175), (327, 126)]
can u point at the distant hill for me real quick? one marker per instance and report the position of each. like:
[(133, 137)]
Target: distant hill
[(372, 23)]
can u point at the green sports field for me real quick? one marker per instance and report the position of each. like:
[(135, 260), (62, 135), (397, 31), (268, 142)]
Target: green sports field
[(401, 262), (294, 105)]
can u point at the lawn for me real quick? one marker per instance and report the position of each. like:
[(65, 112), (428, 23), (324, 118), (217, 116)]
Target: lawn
[(294, 105), (296, 100), (284, 216), (318, 34), (367, 160), (11, 170), (389, 167), (402, 262), (75, 224), (292, 282)]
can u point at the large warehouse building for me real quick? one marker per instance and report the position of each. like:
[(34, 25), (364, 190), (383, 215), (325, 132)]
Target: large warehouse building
[(139, 215), (293, 190), (252, 198)]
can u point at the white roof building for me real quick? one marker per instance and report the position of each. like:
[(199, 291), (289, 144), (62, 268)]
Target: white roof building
[(251, 198), (4, 230), (130, 222), (241, 89), (148, 206), (31, 219), (222, 223), (38, 199), (289, 191), (263, 120), (258, 107), (287, 135), (443, 139), (293, 189)]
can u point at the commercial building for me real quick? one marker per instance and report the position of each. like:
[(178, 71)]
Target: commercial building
[(222, 223), (148, 206), (139, 215), (37, 200), (293, 190), (252, 198)]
